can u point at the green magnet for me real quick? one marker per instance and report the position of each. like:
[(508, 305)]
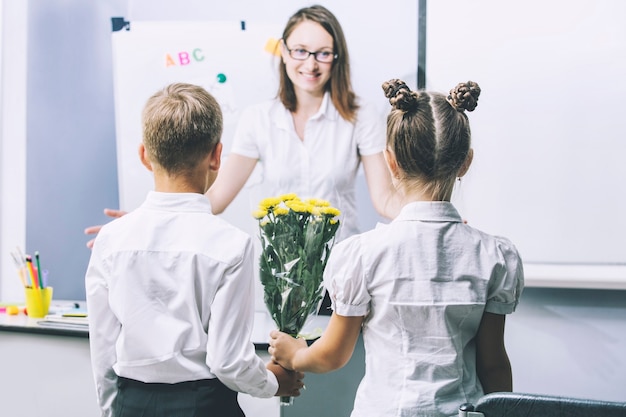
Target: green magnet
[(221, 78)]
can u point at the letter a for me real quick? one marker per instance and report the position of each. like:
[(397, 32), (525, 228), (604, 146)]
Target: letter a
[(169, 62)]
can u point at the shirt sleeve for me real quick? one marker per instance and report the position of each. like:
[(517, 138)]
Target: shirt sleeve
[(507, 280), (344, 279), (245, 139), (231, 355), (104, 328), (370, 130)]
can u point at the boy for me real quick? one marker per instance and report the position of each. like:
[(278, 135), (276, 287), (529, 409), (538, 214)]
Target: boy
[(169, 286)]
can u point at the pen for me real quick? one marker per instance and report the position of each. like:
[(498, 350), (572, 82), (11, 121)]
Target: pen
[(39, 274)]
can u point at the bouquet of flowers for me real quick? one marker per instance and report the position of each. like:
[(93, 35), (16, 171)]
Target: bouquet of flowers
[(296, 238)]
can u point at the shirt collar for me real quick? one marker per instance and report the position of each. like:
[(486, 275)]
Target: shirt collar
[(190, 202), (429, 211), (327, 109), (284, 120)]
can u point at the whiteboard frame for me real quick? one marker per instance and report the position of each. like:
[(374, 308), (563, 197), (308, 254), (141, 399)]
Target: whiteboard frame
[(607, 277)]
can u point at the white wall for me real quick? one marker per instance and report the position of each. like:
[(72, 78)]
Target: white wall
[(13, 47)]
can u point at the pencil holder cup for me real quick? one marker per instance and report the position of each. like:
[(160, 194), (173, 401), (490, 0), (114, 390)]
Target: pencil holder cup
[(38, 301)]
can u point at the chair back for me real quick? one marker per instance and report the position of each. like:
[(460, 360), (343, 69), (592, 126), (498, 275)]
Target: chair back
[(510, 404)]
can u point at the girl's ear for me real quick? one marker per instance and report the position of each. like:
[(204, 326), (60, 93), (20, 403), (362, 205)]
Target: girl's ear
[(466, 164), (392, 164), (143, 156)]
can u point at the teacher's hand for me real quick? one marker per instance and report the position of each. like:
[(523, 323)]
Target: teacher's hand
[(93, 230)]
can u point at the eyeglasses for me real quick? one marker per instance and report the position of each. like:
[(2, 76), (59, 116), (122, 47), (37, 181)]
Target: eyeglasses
[(320, 56)]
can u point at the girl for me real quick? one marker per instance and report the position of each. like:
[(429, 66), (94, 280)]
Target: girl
[(429, 292)]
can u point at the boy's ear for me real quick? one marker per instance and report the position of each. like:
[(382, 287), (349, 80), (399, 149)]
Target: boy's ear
[(468, 161), (143, 156), (215, 159)]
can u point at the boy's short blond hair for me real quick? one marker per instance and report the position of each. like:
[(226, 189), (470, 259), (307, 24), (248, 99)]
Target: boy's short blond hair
[(182, 124)]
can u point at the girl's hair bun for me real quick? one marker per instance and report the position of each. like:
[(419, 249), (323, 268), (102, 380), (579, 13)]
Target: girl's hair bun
[(400, 95), (464, 96)]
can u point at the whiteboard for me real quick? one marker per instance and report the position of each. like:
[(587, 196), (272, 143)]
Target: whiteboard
[(548, 139), (152, 55)]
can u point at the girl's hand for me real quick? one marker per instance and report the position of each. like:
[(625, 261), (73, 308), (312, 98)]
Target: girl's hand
[(283, 348)]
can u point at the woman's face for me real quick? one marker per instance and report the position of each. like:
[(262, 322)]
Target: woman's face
[(309, 75)]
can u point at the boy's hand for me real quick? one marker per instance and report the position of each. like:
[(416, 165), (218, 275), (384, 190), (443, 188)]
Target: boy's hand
[(283, 348), (289, 382), (93, 230)]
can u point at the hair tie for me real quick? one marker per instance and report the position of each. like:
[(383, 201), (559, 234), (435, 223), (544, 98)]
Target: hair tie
[(398, 88)]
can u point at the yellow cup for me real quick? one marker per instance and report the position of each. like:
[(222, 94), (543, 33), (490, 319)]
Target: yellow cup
[(38, 301)]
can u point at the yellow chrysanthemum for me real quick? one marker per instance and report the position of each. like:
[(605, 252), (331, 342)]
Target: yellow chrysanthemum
[(259, 214), (298, 206), (333, 221), (268, 203), (318, 202), (281, 211), (330, 211), (289, 197)]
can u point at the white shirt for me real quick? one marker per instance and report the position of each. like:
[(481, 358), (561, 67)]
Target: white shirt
[(170, 298), (323, 165), (423, 282)]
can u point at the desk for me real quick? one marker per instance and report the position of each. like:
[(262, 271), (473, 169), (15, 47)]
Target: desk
[(47, 371)]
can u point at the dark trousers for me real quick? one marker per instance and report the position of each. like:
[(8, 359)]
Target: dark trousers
[(204, 398), (325, 309)]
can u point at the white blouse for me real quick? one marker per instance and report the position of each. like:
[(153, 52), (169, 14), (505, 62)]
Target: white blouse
[(422, 282), (323, 165), (170, 298)]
